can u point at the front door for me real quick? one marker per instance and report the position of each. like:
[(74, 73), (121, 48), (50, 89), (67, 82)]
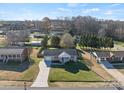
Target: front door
[(65, 59)]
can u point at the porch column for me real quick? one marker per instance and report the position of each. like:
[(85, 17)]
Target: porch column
[(21, 58), (121, 58), (7, 58)]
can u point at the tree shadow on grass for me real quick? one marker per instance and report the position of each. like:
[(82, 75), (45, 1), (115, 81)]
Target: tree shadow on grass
[(16, 66), (73, 67)]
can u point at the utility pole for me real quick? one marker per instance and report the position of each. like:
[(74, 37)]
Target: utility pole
[(25, 86), (91, 57)]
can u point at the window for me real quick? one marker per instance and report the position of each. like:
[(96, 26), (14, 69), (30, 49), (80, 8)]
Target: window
[(10, 56), (72, 57), (55, 57), (102, 59), (14, 55), (65, 57), (2, 55), (18, 55)]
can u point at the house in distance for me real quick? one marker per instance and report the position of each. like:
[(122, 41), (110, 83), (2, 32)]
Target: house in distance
[(13, 54)]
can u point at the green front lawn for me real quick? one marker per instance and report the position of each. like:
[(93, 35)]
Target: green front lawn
[(72, 72), (31, 73)]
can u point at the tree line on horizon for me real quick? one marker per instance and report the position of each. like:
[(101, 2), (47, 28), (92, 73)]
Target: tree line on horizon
[(89, 28), (89, 25), (75, 25)]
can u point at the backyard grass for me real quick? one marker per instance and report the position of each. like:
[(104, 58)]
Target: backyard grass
[(72, 72), (2, 42), (121, 43), (93, 49), (36, 39)]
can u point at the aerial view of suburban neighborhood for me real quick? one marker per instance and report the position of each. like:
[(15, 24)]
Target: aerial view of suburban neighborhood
[(61, 46)]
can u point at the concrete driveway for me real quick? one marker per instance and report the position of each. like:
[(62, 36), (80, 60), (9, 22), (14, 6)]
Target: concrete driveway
[(118, 47), (42, 78), (112, 71)]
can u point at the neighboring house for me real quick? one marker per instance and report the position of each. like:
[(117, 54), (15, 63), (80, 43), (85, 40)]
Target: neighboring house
[(1, 32), (15, 54), (57, 33), (21, 43), (60, 56), (113, 56), (35, 43), (39, 35)]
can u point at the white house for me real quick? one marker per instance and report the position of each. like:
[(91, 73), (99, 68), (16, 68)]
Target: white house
[(60, 56)]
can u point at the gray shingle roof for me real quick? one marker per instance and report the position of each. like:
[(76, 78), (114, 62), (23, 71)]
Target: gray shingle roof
[(6, 51), (103, 54), (107, 53), (56, 52)]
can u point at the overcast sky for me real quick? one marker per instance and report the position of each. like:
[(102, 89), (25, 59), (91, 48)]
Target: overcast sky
[(38, 11)]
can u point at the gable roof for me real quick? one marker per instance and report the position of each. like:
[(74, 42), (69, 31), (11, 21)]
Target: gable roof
[(109, 54), (57, 52), (64, 54), (10, 51)]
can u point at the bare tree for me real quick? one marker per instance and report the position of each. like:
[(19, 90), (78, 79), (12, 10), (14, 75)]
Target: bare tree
[(46, 24), (14, 37), (67, 41)]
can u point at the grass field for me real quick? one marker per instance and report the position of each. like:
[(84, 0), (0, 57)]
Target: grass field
[(75, 85), (120, 43), (16, 71), (31, 73), (2, 41), (36, 39), (21, 72), (93, 49), (72, 72)]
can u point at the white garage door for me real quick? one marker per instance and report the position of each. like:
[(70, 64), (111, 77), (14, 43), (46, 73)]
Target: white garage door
[(46, 58)]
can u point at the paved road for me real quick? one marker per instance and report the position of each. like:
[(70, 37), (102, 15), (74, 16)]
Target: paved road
[(42, 78), (114, 72), (43, 88)]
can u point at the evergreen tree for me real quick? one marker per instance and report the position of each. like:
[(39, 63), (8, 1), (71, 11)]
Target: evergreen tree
[(54, 41)]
